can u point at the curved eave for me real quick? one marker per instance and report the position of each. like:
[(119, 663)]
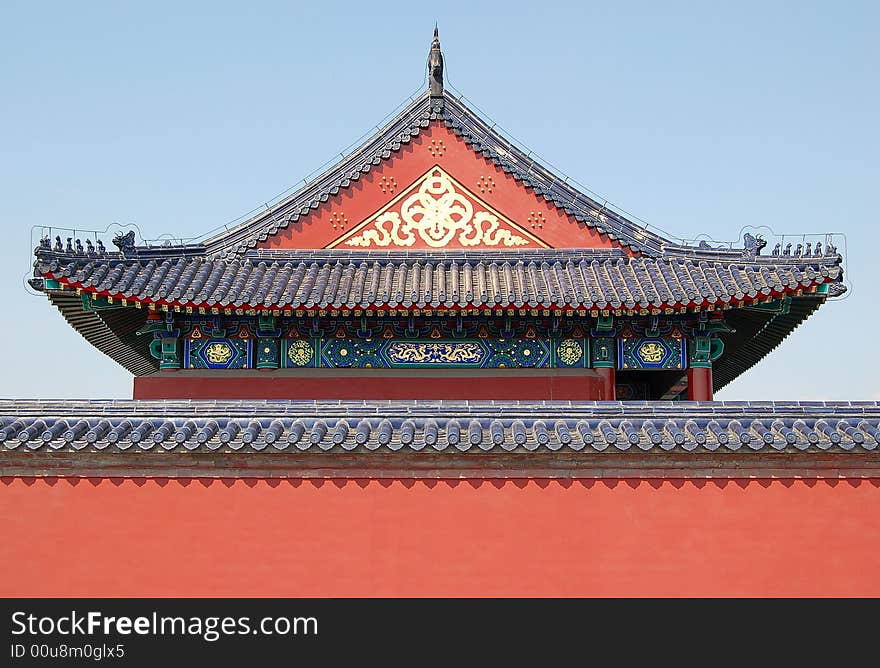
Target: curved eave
[(556, 279), (112, 332), (757, 335), (406, 306)]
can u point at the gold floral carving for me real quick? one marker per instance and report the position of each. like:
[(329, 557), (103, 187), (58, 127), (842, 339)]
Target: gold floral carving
[(536, 220), (299, 353), (338, 220), (437, 214), (436, 148), (388, 184), (569, 351)]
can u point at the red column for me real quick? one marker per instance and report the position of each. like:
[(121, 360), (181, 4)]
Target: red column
[(700, 384), (606, 387)]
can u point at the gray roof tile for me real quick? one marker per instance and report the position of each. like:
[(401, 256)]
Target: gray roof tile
[(481, 426), (303, 279)]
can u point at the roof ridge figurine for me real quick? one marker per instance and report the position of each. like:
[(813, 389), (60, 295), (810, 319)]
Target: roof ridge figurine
[(124, 242), (435, 67)]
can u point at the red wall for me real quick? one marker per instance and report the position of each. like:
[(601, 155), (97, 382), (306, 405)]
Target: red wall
[(584, 386), (69, 537)]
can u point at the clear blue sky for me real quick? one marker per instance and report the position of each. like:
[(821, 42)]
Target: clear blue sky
[(696, 117)]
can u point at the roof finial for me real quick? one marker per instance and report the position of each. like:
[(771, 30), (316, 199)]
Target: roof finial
[(435, 67)]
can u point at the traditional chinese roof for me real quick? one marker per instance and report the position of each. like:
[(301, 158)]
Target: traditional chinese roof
[(622, 267), (564, 278), (177, 434)]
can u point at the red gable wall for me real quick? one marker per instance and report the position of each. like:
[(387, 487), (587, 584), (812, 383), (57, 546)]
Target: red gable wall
[(437, 146)]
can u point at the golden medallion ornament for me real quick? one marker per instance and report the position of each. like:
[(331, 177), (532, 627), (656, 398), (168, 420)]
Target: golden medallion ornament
[(569, 351), (218, 353), (299, 353), (651, 352)]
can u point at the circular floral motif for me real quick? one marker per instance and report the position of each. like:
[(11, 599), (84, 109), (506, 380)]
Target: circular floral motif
[(569, 351), (299, 353), (503, 362)]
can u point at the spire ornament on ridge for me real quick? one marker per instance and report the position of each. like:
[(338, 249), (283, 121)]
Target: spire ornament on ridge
[(435, 68)]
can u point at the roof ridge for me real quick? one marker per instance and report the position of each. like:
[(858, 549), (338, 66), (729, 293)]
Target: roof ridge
[(674, 253)]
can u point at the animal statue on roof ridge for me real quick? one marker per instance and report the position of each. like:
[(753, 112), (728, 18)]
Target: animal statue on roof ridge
[(435, 67), (124, 242), (752, 245)]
